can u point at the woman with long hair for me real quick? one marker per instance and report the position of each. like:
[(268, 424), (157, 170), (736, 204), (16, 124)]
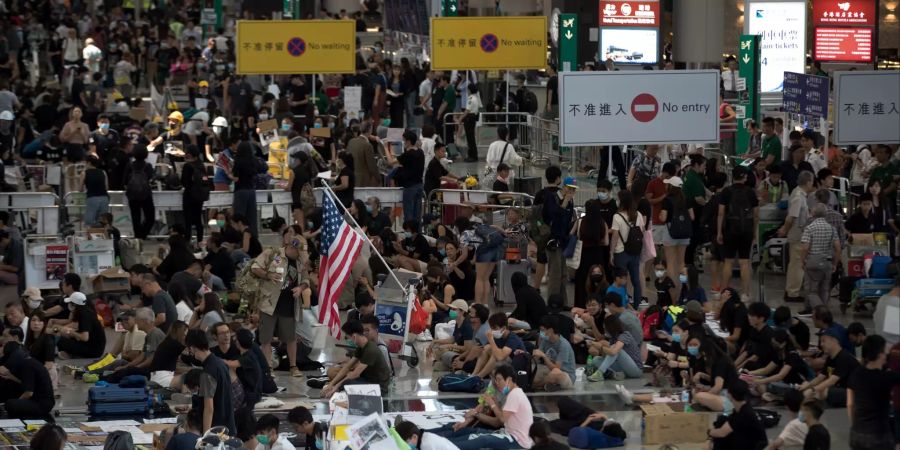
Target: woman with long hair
[(345, 181), (40, 345), (459, 271), (246, 167), (441, 294), (208, 312), (674, 207), (591, 231), (623, 221), (718, 374), (595, 284)]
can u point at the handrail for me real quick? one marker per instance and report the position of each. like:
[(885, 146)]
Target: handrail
[(477, 198)]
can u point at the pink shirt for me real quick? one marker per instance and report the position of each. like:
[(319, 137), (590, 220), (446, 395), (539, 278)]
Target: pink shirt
[(521, 417)]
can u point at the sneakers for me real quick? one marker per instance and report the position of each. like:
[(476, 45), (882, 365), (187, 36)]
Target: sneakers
[(625, 394), (596, 376), (317, 383), (296, 373), (589, 369), (552, 387), (90, 378)]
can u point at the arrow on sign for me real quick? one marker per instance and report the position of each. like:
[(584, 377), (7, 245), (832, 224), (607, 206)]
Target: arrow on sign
[(746, 59), (453, 8), (569, 34), (568, 23)]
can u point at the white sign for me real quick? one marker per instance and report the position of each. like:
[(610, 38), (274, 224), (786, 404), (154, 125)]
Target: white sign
[(353, 100), (867, 107), (639, 107), (740, 111), (741, 84), (782, 47)]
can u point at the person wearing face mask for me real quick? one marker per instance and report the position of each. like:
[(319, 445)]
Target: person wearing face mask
[(555, 357), (419, 439), (345, 181), (202, 99), (445, 350), (190, 432), (314, 432), (378, 220), (717, 376), (81, 335), (741, 430), (174, 141), (501, 344), (413, 249)]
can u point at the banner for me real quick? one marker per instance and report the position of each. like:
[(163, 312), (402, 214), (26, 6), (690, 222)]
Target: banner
[(628, 13), (56, 261), (866, 107), (844, 13), (488, 43), (295, 46), (781, 27)]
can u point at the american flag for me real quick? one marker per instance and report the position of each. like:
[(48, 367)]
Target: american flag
[(340, 248)]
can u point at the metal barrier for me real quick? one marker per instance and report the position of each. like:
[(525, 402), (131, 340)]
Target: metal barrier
[(478, 198), (44, 206)]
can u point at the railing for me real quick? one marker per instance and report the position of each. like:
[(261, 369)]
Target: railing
[(43, 205)]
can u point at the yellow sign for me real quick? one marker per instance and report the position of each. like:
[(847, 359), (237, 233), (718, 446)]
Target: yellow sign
[(296, 46), (485, 43)]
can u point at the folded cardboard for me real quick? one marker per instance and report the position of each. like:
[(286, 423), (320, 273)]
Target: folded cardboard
[(663, 425), (113, 279)]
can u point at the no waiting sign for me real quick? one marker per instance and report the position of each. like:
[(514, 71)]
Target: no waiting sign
[(639, 107)]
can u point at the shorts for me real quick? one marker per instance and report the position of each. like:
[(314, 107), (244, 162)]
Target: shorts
[(737, 247), (659, 232), (669, 241), (541, 373), (270, 326), (716, 252), (74, 152), (490, 255)]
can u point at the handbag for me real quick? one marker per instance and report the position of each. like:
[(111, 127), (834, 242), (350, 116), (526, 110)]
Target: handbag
[(490, 173), (575, 260), (648, 253), (572, 252)]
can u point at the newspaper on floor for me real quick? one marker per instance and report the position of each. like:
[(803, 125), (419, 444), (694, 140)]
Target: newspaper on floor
[(371, 433)]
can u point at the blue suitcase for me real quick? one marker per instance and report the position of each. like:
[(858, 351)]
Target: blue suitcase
[(115, 394), (119, 408), (873, 287)]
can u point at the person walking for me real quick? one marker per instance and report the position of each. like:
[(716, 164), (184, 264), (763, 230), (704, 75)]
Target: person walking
[(820, 249), (797, 218)]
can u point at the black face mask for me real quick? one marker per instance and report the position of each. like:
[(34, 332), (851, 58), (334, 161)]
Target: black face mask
[(596, 278)]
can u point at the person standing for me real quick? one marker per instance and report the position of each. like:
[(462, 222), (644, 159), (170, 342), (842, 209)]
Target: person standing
[(820, 249), (245, 169), (558, 213), (552, 100), (139, 193), (213, 384), (797, 218), (502, 151), (738, 220), (196, 190), (469, 119), (94, 183), (696, 195), (365, 168), (410, 174), (628, 220), (592, 232)]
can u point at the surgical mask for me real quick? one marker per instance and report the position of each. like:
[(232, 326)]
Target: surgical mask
[(683, 278), (497, 334), (801, 417), (596, 278), (603, 196), (676, 338), (263, 116), (693, 351), (317, 125), (442, 252), (319, 445), (262, 439), (369, 208), (660, 273), (286, 127), (543, 335), (34, 304), (454, 315), (104, 126), (505, 390)]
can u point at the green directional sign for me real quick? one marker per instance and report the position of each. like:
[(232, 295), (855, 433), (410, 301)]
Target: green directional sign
[(291, 9), (748, 105), (568, 42), (449, 8)]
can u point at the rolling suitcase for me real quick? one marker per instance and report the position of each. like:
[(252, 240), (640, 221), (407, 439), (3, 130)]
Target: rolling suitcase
[(119, 408), (503, 292), (116, 400)]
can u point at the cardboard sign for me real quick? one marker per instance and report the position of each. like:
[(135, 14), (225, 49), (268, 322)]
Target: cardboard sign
[(320, 132), (663, 425)]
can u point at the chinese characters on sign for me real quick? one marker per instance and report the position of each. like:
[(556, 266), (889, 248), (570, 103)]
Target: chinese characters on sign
[(626, 13), (866, 107), (488, 43), (844, 12), (295, 46), (781, 27), (844, 44), (805, 94)]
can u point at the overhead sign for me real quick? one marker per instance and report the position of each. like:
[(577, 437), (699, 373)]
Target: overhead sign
[(782, 30), (844, 12), (805, 94), (295, 46), (630, 45), (568, 42), (867, 107), (843, 44), (638, 107), (488, 43), (628, 13), (748, 103)]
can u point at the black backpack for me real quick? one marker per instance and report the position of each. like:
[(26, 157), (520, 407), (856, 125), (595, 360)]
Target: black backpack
[(739, 212), (199, 184), (538, 230), (138, 186), (635, 242), (680, 226), (524, 365)]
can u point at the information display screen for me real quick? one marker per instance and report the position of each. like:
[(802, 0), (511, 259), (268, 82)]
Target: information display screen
[(629, 45)]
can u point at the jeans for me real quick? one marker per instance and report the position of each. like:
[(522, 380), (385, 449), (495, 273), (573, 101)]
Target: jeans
[(412, 202), (239, 256), (557, 273), (93, 207), (245, 205), (631, 263), (620, 362), (474, 439)]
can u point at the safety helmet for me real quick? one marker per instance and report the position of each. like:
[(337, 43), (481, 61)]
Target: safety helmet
[(7, 115), (177, 116), (220, 122)]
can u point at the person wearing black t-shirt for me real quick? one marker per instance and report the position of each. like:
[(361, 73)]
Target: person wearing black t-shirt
[(798, 330), (869, 397), (213, 385), (218, 261), (786, 369), (345, 181), (249, 246), (298, 95), (410, 174), (36, 399), (733, 319), (718, 373), (413, 249), (742, 430), (302, 421), (757, 352), (831, 384), (82, 335), (436, 172), (378, 220)]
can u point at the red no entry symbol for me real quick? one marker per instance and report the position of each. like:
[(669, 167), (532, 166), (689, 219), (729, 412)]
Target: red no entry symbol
[(296, 46), (644, 107), (489, 43)]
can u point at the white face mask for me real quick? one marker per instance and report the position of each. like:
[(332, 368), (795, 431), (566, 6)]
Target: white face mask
[(34, 304), (660, 273), (497, 334)]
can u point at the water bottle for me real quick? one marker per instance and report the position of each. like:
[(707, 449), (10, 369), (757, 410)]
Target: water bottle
[(686, 399)]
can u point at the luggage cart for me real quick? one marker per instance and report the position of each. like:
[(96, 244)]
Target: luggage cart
[(394, 310)]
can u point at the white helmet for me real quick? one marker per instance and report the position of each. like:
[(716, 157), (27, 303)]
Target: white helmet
[(7, 115), (220, 122)]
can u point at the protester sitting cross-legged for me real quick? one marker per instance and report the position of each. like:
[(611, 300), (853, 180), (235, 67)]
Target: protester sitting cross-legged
[(141, 364), (366, 367), (620, 358), (555, 357), (445, 350), (501, 344)]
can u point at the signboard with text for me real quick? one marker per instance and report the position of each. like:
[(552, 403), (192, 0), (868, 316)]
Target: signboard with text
[(805, 94), (627, 13), (843, 44), (488, 43), (866, 107), (781, 27), (844, 12), (568, 42), (638, 107), (295, 46)]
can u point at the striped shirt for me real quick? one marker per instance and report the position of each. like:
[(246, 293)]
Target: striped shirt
[(820, 236)]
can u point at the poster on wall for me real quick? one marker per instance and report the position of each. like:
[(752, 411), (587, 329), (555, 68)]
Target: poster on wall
[(629, 45), (782, 30), (56, 261)]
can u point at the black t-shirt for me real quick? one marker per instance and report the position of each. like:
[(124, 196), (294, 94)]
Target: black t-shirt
[(607, 211), (732, 192), (747, 432), (221, 265), (184, 283), (433, 175), (43, 348), (662, 291), (104, 142), (378, 223), (87, 321), (724, 369), (95, 183), (223, 408), (530, 306), (553, 87), (413, 162), (800, 331), (500, 186), (298, 94), (346, 195), (173, 142), (871, 399), (817, 438), (761, 345), (464, 287), (36, 379), (418, 245), (843, 366), (285, 305), (798, 372), (232, 354), (255, 246), (166, 355)]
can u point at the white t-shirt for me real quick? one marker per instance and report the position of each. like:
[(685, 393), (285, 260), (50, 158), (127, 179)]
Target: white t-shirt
[(424, 88), (816, 159), (521, 417), (621, 226), (793, 435), (495, 151), (92, 55), (431, 441), (428, 150), (473, 105)]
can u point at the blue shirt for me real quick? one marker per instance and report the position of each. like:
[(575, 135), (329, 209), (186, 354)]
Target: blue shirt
[(512, 341), (621, 291), (561, 353), (481, 334)]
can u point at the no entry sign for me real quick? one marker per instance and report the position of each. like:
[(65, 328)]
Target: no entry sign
[(639, 107)]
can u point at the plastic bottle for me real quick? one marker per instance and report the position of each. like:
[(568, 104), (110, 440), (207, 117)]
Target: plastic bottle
[(686, 399)]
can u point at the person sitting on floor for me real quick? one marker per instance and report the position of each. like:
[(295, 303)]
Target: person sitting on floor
[(462, 340), (830, 384), (267, 436), (478, 316), (501, 344), (714, 378), (555, 358), (741, 430), (530, 306), (420, 439), (140, 365), (620, 358), (794, 433), (366, 367), (27, 385), (303, 423), (82, 334)]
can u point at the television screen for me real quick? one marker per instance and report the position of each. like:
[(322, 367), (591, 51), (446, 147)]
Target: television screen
[(629, 45)]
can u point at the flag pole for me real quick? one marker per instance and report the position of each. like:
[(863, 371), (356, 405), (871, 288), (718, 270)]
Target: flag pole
[(327, 191)]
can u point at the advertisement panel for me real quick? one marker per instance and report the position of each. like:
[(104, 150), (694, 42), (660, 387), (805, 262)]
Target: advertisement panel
[(843, 44), (629, 46), (844, 12), (488, 43), (627, 13), (866, 107), (295, 46), (638, 107), (782, 30)]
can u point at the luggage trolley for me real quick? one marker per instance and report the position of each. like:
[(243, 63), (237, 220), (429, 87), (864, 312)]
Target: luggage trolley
[(394, 310)]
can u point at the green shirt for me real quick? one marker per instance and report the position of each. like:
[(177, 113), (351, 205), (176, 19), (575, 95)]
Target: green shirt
[(377, 370), (693, 186), (450, 98), (771, 145)]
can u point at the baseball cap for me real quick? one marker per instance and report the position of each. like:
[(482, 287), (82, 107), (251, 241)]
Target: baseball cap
[(203, 83), (570, 182), (33, 294), (694, 305), (460, 304), (77, 298), (674, 181)]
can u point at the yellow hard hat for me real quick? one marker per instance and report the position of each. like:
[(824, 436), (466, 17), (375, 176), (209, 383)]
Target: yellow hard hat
[(175, 115), (471, 182)]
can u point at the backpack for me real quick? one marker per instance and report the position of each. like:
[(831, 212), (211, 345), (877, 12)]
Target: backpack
[(104, 312), (709, 218), (247, 285), (138, 186), (673, 315), (199, 184), (635, 242), (461, 383), (118, 440), (739, 213), (529, 102), (524, 366), (680, 226), (490, 236), (538, 230)]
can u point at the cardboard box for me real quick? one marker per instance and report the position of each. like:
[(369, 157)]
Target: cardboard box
[(113, 279), (663, 425)]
